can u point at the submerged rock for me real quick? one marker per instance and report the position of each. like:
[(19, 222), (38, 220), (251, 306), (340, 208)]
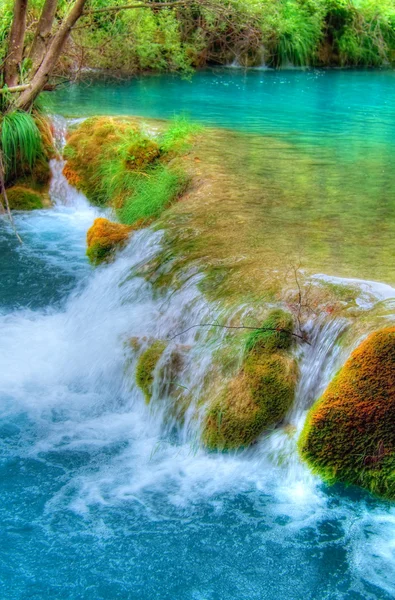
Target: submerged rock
[(104, 238), (24, 198), (146, 367), (349, 434), (261, 393)]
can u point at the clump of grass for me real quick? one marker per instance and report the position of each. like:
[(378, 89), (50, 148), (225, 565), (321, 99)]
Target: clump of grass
[(151, 195), (20, 142)]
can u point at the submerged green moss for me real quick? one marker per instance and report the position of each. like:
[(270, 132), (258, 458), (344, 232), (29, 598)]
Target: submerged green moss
[(146, 367), (261, 393), (349, 434)]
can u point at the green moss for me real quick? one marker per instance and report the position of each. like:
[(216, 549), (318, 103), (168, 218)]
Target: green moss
[(22, 198), (349, 432), (274, 334), (262, 392), (146, 367), (98, 253)]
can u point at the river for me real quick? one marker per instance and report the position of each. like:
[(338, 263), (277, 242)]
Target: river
[(100, 498)]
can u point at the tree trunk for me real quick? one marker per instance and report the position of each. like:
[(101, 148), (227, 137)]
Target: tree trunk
[(15, 44), (40, 78), (42, 35)]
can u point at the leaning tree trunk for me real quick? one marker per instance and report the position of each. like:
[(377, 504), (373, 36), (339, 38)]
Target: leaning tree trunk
[(42, 34), (15, 43), (40, 78)]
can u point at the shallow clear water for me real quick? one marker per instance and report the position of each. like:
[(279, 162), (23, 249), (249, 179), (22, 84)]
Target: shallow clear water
[(99, 500), (313, 179)]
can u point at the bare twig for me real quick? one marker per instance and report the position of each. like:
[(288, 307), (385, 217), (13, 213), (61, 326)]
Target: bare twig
[(278, 329)]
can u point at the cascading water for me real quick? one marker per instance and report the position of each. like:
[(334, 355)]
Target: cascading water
[(102, 499)]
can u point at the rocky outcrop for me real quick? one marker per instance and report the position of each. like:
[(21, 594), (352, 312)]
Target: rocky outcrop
[(104, 238), (261, 393), (349, 434)]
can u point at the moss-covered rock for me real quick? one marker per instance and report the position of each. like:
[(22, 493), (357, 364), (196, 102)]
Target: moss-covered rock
[(146, 367), (261, 393), (349, 434), (23, 198), (105, 149), (104, 238), (141, 152)]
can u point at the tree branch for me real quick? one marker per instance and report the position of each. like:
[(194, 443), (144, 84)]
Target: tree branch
[(15, 42), (300, 337), (94, 11)]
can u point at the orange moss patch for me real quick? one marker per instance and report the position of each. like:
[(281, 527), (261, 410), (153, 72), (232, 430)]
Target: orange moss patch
[(349, 434), (104, 237), (72, 177)]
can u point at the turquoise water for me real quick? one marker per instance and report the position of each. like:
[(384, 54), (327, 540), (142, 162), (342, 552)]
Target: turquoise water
[(314, 171), (346, 105), (98, 499)]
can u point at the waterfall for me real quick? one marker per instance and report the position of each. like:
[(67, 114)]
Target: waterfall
[(98, 456)]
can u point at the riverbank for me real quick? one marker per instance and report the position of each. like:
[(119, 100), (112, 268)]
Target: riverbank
[(245, 33)]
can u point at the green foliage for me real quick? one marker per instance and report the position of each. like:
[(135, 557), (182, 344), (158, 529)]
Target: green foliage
[(299, 29), (298, 32), (20, 142)]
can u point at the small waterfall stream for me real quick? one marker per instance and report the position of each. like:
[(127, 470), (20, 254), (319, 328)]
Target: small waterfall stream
[(104, 469)]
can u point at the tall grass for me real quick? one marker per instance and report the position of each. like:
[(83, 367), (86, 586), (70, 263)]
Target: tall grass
[(20, 141), (151, 195)]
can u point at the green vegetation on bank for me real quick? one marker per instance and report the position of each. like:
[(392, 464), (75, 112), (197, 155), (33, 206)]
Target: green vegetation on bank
[(22, 198), (115, 162), (279, 32), (25, 149)]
